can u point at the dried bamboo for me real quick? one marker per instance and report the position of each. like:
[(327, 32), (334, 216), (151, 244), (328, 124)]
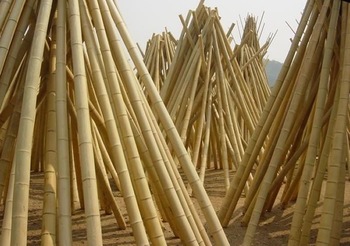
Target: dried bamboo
[(48, 234), (64, 193), (85, 139), (201, 35), (301, 135), (214, 227), (26, 127)]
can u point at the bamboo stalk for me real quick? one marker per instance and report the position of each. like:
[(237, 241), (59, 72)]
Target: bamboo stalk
[(64, 193), (94, 233), (5, 238), (48, 233), (26, 126)]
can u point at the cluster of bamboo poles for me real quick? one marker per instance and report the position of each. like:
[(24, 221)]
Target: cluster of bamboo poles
[(301, 143), (250, 57), (159, 53), (72, 107), (213, 101)]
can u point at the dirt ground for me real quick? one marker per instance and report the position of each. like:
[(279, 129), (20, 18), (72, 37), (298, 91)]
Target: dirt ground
[(273, 228)]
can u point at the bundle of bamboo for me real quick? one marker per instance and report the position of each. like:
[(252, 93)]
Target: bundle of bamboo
[(72, 107), (214, 101), (302, 137), (158, 56), (250, 56)]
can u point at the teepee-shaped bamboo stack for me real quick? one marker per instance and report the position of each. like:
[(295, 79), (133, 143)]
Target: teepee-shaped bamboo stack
[(205, 91), (72, 107), (158, 56), (302, 137), (250, 56)]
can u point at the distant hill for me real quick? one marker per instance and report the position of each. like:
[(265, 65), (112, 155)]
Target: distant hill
[(272, 70)]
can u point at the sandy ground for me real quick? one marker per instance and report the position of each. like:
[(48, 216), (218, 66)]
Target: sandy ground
[(273, 229)]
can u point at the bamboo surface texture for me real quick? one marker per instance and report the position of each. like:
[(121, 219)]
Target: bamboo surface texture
[(300, 144), (73, 108)]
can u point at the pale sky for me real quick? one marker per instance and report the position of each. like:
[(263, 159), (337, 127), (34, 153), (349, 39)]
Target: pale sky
[(143, 18)]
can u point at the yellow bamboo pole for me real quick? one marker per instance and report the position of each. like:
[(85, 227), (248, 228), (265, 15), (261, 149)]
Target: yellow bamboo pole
[(94, 233), (75, 152), (64, 211), (48, 231), (26, 127)]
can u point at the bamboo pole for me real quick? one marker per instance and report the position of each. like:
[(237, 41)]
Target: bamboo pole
[(26, 126), (48, 234), (94, 233), (64, 193)]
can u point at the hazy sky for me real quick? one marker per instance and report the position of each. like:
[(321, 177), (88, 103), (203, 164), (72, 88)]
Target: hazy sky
[(143, 18)]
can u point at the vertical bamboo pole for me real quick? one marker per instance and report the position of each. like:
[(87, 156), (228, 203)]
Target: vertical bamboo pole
[(26, 127), (94, 233), (6, 230), (64, 193), (48, 233)]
